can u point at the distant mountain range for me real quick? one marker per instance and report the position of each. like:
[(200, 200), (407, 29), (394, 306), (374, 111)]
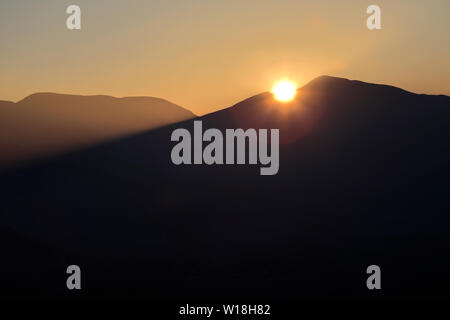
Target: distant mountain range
[(363, 179), (45, 124)]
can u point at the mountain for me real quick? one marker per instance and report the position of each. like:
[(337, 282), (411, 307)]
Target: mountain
[(363, 179), (45, 124)]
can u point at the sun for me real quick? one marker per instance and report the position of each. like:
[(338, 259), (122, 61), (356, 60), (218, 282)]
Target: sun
[(284, 91)]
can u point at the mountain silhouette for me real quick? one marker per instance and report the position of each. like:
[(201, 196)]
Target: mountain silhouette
[(363, 179), (45, 124)]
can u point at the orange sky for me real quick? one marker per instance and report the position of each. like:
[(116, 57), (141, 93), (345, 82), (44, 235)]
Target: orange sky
[(206, 55)]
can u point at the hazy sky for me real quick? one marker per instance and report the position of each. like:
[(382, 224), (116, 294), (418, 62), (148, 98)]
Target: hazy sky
[(209, 54)]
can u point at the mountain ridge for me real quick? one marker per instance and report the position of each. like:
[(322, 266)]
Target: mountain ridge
[(363, 177), (31, 97), (45, 124), (239, 114)]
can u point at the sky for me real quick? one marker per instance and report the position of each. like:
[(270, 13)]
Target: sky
[(206, 55)]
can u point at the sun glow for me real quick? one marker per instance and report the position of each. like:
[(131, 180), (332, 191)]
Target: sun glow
[(284, 91)]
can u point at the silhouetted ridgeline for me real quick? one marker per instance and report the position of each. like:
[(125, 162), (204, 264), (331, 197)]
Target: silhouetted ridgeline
[(45, 124), (364, 179)]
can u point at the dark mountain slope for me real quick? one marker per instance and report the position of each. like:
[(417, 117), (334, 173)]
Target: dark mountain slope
[(363, 180)]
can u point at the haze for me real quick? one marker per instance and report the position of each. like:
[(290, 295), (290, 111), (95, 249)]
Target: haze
[(207, 55)]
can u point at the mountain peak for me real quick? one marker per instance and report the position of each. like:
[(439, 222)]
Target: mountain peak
[(327, 83)]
